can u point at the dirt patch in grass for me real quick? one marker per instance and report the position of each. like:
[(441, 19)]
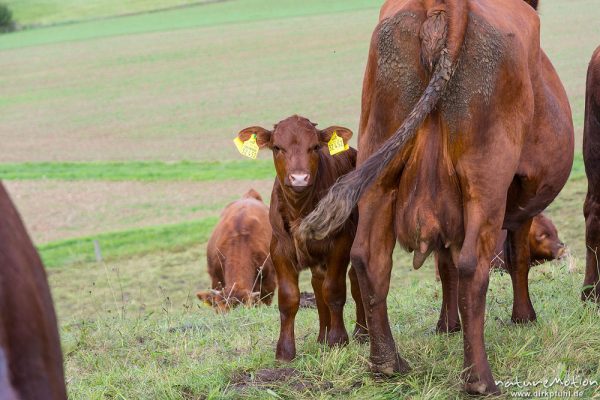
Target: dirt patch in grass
[(55, 210), (271, 377)]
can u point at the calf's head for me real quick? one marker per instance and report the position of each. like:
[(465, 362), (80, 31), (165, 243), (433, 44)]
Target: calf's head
[(296, 144), (543, 240), (225, 299)]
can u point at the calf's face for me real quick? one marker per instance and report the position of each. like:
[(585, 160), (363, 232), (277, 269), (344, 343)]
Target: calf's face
[(296, 144), (543, 240), (224, 300)]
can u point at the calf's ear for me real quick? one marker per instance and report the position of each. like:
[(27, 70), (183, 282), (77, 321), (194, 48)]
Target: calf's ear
[(263, 136), (326, 134), (206, 296)]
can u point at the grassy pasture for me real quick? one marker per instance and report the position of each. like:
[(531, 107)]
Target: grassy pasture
[(149, 171), (187, 89), (119, 130), (45, 12)]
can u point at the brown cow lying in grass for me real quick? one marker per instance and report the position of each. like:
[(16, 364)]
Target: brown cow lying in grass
[(305, 171), (238, 257), (544, 245), (591, 156), (31, 363)]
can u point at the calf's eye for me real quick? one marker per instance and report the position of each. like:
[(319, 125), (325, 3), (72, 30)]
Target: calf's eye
[(316, 147)]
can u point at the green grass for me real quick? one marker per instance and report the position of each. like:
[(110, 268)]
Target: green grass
[(181, 94), (222, 13), (124, 244), (141, 171), (44, 12), (151, 171), (133, 329)]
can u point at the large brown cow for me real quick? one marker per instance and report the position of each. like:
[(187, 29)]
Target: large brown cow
[(465, 129), (238, 258), (591, 157), (305, 172), (31, 363)]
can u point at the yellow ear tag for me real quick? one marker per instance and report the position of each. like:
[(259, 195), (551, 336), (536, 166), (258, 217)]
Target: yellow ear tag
[(336, 144), (249, 148)]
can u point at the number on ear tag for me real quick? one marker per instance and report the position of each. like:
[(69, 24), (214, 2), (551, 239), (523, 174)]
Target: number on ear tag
[(249, 148), (336, 144)]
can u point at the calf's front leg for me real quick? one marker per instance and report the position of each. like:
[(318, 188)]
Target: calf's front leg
[(288, 295)]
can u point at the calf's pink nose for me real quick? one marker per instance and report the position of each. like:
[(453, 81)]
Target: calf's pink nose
[(299, 179)]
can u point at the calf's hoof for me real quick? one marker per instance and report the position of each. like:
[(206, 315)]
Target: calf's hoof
[(337, 338), (388, 368), (444, 327)]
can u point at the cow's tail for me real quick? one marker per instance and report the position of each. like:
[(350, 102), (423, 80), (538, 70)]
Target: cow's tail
[(442, 35)]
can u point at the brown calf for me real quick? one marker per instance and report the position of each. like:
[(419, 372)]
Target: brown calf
[(31, 363), (465, 130), (591, 157), (544, 245), (305, 171), (238, 257)]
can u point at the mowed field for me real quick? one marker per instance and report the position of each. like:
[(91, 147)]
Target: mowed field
[(119, 130)]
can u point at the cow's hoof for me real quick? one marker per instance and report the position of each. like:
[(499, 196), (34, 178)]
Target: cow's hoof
[(339, 338), (590, 294), (389, 368), (285, 353), (523, 318), (321, 337), (482, 388), (443, 327), (523, 313)]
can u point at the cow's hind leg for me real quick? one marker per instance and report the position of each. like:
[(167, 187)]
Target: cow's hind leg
[(449, 321), (334, 293), (473, 263), (372, 257), (591, 284), (361, 334), (517, 262), (322, 309)]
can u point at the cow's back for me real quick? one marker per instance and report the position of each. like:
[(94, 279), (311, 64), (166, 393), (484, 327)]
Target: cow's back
[(246, 217), (491, 47), (28, 327)]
